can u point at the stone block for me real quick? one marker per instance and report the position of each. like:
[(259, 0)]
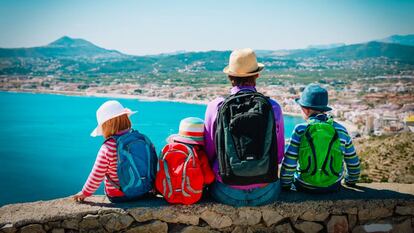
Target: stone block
[(352, 221), (374, 214), (248, 216), (197, 229), (404, 227), (153, 227), (71, 224), (32, 228), (116, 222), (89, 222), (404, 210), (8, 228), (337, 224), (308, 227), (271, 217), (215, 220), (285, 228), (313, 216), (58, 230)]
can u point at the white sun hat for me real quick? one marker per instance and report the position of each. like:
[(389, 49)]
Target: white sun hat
[(108, 110)]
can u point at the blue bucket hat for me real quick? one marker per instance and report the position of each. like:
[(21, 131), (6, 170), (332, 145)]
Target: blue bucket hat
[(314, 97)]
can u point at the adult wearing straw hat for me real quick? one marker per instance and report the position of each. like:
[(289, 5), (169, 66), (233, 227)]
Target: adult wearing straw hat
[(247, 131)]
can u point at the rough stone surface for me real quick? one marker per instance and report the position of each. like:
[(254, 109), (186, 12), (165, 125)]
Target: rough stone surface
[(8, 228), (242, 229), (314, 216), (71, 224), (337, 224), (370, 214), (271, 217), (248, 216), (196, 229), (90, 222), (58, 230), (216, 220), (166, 215), (308, 227), (153, 227), (404, 227), (53, 225), (404, 210), (286, 228), (116, 222), (352, 221), (32, 228), (390, 204)]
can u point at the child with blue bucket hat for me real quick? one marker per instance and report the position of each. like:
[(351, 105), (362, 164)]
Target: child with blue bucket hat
[(315, 156)]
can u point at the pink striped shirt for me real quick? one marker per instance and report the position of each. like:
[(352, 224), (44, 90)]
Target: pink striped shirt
[(105, 164)]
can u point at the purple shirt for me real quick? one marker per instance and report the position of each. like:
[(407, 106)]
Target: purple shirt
[(209, 131)]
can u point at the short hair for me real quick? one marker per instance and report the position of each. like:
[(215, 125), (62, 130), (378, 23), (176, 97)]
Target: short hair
[(114, 125), (243, 81), (313, 110)]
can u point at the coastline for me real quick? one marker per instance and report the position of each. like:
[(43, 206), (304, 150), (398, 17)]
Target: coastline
[(123, 96), (108, 95), (348, 125)]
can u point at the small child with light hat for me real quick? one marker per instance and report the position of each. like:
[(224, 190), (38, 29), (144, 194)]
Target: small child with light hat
[(115, 126), (184, 169)]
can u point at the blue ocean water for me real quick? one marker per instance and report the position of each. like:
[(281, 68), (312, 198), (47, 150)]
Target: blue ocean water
[(45, 148)]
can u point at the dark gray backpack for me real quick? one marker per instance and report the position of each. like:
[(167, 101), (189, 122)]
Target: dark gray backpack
[(245, 139)]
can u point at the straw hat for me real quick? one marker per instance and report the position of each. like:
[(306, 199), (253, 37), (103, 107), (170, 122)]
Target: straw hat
[(191, 131), (243, 63), (108, 110)]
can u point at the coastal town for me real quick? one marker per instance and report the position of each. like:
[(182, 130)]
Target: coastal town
[(377, 105)]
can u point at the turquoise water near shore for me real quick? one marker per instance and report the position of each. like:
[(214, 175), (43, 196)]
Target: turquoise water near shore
[(45, 148)]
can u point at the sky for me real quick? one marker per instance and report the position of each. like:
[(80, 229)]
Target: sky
[(141, 27)]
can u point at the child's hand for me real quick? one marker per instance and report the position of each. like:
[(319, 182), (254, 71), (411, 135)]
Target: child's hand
[(79, 197)]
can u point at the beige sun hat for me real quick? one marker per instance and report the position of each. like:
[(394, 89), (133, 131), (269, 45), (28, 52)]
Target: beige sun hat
[(243, 63)]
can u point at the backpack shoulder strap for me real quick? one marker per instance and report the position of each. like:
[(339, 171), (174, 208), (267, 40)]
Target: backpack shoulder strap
[(312, 146), (106, 175)]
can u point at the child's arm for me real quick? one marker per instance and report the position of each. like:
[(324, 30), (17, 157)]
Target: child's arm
[(351, 160), (290, 159), (97, 174)]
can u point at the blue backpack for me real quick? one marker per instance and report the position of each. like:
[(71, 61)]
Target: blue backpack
[(137, 164)]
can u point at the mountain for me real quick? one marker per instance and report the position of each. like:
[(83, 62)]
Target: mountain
[(326, 46), (77, 56), (397, 52), (64, 47), (399, 39)]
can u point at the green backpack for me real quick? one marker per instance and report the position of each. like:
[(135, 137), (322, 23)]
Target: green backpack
[(320, 156)]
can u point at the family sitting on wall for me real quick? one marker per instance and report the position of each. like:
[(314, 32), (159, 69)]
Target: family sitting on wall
[(234, 154)]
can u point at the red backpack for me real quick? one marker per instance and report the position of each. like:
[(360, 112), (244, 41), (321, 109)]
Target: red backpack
[(183, 172)]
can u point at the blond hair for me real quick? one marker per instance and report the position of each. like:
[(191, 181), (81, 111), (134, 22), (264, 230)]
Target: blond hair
[(115, 125)]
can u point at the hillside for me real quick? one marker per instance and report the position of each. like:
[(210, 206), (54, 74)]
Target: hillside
[(387, 158), (64, 47), (399, 39), (396, 52), (69, 56)]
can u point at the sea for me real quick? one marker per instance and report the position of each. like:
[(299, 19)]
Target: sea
[(45, 148)]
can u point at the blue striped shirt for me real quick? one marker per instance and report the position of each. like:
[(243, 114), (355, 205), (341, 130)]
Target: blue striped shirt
[(290, 160)]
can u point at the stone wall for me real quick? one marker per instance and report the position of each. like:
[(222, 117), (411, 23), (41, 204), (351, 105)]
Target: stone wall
[(370, 208)]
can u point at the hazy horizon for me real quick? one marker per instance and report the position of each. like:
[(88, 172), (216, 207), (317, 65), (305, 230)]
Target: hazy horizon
[(145, 28)]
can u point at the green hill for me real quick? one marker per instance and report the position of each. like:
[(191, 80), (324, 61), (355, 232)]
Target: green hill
[(403, 53), (64, 47)]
